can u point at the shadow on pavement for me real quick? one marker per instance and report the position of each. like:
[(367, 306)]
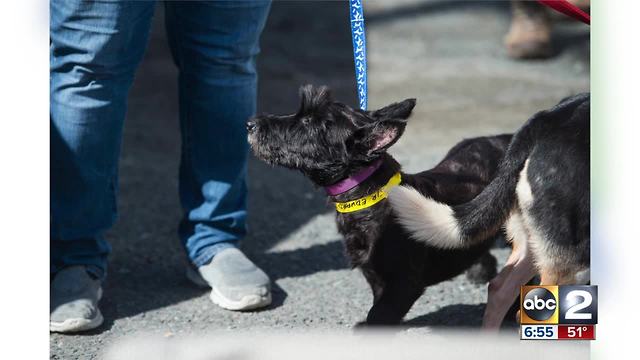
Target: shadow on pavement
[(458, 315), (303, 262), (423, 8)]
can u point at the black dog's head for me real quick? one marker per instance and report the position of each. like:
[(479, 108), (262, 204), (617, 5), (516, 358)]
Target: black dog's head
[(327, 140)]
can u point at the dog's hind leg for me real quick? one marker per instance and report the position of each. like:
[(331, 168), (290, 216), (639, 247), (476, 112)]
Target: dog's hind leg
[(518, 270), (394, 302), (567, 276)]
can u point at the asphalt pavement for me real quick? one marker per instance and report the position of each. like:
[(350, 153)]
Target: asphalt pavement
[(447, 54)]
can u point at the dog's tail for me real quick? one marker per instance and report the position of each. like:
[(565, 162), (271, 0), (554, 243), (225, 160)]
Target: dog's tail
[(464, 225)]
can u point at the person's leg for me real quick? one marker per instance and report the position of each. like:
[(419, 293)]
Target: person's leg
[(214, 45), (95, 48), (529, 35)]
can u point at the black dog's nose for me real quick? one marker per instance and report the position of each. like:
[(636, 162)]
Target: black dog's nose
[(251, 125)]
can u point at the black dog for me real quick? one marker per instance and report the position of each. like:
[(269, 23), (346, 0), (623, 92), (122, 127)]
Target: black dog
[(344, 150), (540, 194)]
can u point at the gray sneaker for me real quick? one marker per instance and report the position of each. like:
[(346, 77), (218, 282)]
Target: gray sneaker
[(236, 283), (73, 300)]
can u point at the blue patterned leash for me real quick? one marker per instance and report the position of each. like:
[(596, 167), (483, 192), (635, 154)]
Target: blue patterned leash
[(359, 49)]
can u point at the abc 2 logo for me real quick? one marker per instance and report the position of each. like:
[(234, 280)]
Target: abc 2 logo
[(564, 304)]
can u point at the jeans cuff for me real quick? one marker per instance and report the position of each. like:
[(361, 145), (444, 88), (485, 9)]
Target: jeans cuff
[(96, 272), (206, 255)]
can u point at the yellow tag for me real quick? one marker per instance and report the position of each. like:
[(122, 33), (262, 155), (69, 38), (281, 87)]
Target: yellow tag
[(369, 200)]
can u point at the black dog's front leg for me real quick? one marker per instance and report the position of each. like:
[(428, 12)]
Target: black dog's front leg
[(395, 300)]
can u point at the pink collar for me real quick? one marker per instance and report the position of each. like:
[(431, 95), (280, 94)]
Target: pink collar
[(352, 181)]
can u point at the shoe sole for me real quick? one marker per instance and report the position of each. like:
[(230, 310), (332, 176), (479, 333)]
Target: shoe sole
[(249, 302), (79, 324), (76, 325)]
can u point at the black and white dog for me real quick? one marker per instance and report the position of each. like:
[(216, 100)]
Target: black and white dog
[(344, 151), (540, 194)]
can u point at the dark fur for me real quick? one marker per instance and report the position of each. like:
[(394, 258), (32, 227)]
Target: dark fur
[(329, 141), (556, 142)]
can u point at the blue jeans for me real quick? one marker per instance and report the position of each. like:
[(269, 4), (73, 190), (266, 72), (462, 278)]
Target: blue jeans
[(95, 49)]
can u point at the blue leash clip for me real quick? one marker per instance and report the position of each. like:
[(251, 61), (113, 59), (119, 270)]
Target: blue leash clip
[(359, 49)]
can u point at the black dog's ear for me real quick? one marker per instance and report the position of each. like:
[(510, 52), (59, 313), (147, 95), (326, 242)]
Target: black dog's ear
[(376, 137), (384, 130), (313, 98), (399, 110)]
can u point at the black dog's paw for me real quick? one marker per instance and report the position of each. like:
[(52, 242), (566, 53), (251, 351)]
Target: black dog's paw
[(483, 270), (364, 327), (361, 325)]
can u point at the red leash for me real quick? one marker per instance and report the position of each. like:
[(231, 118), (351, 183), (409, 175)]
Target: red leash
[(568, 9)]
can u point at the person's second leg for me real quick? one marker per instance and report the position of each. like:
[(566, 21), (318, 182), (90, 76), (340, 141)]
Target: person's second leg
[(94, 50), (529, 35), (214, 45)]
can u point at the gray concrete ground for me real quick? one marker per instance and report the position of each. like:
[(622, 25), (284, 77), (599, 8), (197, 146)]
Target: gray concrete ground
[(447, 54)]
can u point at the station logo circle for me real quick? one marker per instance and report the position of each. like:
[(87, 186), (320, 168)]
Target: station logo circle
[(539, 304)]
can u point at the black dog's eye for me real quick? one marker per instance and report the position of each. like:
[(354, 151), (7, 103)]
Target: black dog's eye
[(306, 120)]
